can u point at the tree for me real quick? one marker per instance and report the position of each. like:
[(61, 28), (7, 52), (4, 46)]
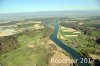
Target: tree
[(98, 39), (96, 62), (87, 31)]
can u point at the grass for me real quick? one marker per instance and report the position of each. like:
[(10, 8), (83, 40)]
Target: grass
[(96, 33), (24, 40), (25, 57), (69, 33)]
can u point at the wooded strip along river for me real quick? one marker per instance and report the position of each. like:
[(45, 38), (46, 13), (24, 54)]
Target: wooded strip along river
[(71, 51)]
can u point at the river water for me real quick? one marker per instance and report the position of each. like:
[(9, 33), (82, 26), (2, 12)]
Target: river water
[(71, 51)]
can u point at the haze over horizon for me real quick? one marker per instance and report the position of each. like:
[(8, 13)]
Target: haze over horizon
[(16, 6)]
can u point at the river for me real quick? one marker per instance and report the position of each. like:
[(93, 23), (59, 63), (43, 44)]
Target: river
[(68, 49)]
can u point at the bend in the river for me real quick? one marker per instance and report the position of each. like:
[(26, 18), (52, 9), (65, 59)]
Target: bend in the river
[(68, 49)]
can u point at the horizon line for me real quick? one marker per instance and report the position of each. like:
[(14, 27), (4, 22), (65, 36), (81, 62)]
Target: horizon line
[(47, 11)]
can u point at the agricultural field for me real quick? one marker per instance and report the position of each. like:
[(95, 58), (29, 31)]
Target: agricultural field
[(82, 37), (68, 33)]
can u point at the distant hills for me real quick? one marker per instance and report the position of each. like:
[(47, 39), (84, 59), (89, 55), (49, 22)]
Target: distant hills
[(52, 14)]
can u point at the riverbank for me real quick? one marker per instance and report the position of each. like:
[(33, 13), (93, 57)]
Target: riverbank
[(68, 49)]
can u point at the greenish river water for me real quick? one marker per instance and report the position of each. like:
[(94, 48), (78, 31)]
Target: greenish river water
[(68, 49)]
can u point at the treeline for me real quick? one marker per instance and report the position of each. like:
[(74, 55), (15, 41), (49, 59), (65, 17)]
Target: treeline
[(83, 26)]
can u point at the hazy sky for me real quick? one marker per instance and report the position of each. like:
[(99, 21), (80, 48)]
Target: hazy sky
[(11, 6)]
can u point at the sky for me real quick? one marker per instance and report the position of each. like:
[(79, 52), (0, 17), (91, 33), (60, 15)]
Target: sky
[(14, 6)]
